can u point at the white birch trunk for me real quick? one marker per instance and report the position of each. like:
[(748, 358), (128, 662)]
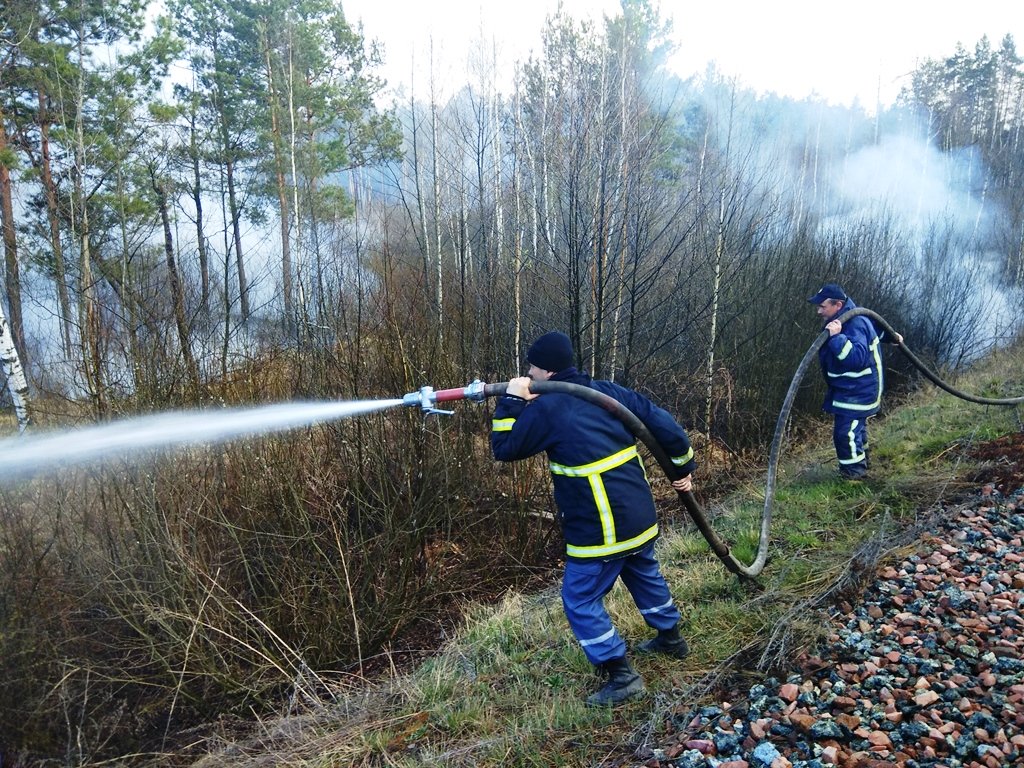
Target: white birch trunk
[(715, 295), (622, 203), (534, 224), (423, 237), (598, 212), (298, 266), (17, 385), (519, 233), (499, 210), (89, 311), (434, 139)]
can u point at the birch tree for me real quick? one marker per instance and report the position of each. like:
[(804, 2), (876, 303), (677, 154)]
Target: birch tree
[(608, 169), (16, 25), (12, 272), (17, 385)]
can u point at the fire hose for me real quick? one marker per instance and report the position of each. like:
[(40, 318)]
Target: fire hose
[(427, 399)]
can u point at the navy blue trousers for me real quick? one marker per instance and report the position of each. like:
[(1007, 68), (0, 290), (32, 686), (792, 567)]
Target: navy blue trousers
[(585, 585), (850, 437)]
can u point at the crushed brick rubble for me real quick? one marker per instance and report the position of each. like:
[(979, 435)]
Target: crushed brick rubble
[(927, 670)]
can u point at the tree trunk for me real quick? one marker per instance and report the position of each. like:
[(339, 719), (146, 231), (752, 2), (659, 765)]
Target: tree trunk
[(13, 276), (126, 292), (715, 299), (92, 358), (236, 232), (535, 217), (177, 297), (626, 136), (298, 268), (197, 200), (53, 217), (499, 208), (518, 235), (11, 363), (599, 232), (229, 171), (439, 295), (421, 211), (284, 216)]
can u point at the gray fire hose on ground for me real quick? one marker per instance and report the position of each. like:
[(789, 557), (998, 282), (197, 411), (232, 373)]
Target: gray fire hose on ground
[(426, 398)]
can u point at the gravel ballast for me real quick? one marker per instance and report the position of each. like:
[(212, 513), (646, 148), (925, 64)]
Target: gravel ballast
[(926, 670)]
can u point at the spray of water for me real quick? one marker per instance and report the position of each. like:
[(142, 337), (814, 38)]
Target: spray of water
[(126, 438)]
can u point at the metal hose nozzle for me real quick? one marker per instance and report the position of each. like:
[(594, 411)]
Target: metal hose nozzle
[(427, 399)]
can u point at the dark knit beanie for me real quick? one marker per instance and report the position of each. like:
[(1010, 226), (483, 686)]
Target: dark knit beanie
[(552, 352)]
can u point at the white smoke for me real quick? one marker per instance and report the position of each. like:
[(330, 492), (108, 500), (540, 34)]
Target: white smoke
[(916, 183)]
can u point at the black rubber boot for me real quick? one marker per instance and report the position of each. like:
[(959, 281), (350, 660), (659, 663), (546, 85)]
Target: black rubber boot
[(623, 683), (668, 642)]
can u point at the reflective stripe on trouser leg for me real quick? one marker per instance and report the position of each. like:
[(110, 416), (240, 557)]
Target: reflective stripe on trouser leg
[(645, 582), (584, 586), (849, 435)]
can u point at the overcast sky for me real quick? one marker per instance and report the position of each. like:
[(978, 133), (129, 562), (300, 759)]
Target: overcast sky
[(840, 51)]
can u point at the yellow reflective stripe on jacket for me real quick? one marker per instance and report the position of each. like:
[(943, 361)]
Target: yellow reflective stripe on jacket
[(595, 467), (592, 472), (613, 549), (847, 347), (502, 425), (604, 508), (878, 395), (684, 459)]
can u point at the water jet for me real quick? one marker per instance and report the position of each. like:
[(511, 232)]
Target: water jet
[(24, 455)]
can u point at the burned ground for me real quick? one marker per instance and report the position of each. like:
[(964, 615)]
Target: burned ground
[(1002, 462)]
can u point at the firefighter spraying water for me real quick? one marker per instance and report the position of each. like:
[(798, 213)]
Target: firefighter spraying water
[(606, 508)]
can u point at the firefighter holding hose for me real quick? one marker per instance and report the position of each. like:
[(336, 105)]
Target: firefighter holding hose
[(606, 508), (851, 363)]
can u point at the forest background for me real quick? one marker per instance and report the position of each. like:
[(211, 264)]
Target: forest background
[(210, 206)]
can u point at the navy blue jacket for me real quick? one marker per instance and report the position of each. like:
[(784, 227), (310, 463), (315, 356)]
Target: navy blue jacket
[(851, 362), (604, 500)]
